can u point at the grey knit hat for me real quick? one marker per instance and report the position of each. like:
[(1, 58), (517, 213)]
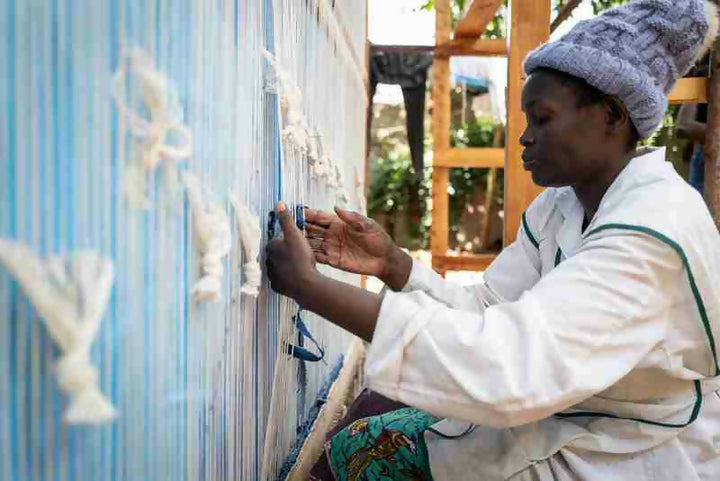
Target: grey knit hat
[(635, 52)]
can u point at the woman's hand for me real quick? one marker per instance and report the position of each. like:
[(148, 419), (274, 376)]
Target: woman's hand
[(289, 261), (290, 266), (355, 243)]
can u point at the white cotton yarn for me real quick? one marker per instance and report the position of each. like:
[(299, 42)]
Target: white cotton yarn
[(212, 228), (151, 133), (250, 237), (70, 294)]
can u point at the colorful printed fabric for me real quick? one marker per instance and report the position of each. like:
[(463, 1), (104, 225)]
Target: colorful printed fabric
[(387, 447)]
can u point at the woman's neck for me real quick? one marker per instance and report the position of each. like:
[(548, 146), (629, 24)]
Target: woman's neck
[(591, 193)]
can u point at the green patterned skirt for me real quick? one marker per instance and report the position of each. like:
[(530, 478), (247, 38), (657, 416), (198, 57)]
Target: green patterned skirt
[(388, 447)]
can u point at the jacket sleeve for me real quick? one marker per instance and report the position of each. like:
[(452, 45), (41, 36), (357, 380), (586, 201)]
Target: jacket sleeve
[(575, 333)]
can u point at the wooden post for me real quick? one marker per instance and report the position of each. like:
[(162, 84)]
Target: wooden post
[(441, 133), (712, 141), (529, 27), (490, 190)]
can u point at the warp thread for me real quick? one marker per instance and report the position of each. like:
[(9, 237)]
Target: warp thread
[(304, 430), (299, 136), (71, 295), (360, 191), (296, 132), (250, 237), (152, 132), (212, 227)]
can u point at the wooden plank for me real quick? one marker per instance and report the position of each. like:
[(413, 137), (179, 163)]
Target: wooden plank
[(465, 262), (477, 18), (489, 204), (490, 192), (483, 47), (441, 132), (475, 158), (691, 90), (564, 14), (340, 396), (439, 231), (529, 27), (712, 142)]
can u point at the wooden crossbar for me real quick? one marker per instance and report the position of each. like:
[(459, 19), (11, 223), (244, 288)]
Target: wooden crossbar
[(474, 158), (477, 18)]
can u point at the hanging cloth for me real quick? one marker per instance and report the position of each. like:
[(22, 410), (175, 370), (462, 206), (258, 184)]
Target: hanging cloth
[(409, 71)]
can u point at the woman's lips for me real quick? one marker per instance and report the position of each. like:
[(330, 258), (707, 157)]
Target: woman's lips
[(529, 164)]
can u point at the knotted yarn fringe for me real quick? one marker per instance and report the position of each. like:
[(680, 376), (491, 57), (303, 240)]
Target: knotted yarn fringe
[(250, 237), (165, 117), (212, 228), (296, 132), (297, 136), (71, 295)]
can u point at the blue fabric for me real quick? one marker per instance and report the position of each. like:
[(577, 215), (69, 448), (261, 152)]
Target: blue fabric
[(697, 169)]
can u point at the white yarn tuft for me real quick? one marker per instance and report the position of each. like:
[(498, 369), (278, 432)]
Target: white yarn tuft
[(250, 237), (212, 228), (295, 131), (71, 295), (152, 134)]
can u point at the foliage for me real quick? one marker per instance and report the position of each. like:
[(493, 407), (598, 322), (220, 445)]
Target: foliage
[(397, 192), (600, 5), (464, 183), (677, 148)]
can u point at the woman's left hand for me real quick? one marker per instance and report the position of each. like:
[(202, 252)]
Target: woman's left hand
[(289, 260)]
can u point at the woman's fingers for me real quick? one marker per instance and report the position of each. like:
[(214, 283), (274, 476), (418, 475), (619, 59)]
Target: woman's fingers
[(319, 217), (321, 257), (316, 244), (314, 231)]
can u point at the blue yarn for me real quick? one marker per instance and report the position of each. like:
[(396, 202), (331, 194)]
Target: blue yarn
[(304, 430)]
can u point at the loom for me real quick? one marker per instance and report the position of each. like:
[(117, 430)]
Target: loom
[(143, 144)]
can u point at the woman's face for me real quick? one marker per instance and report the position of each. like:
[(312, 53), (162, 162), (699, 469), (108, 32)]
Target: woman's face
[(565, 144)]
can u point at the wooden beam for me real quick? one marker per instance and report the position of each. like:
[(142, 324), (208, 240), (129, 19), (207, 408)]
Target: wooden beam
[(564, 14), (692, 90), (474, 158), (464, 262), (482, 47), (712, 142), (439, 232), (529, 27), (490, 192), (477, 18)]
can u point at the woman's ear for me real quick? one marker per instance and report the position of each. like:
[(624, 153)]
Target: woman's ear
[(617, 117)]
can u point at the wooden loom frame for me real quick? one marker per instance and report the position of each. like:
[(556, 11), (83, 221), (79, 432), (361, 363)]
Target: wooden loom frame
[(529, 26)]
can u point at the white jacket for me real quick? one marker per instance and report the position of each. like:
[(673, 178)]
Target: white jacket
[(583, 355)]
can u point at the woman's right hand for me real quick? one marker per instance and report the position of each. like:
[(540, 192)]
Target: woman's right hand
[(354, 243)]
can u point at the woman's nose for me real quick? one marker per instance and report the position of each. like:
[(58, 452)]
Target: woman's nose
[(527, 138)]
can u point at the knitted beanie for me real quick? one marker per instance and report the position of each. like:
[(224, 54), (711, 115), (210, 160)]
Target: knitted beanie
[(635, 52)]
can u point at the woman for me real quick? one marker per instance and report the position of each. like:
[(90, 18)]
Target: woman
[(590, 350)]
